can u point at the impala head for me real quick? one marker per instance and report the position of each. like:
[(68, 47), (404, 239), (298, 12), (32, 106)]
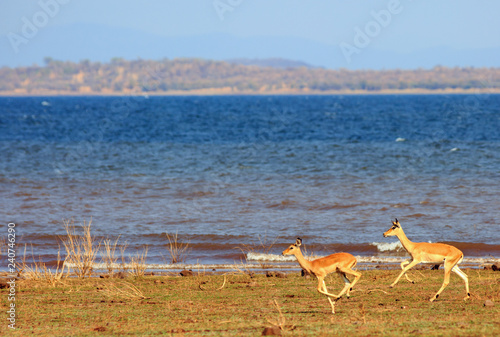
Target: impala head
[(293, 249), (394, 230)]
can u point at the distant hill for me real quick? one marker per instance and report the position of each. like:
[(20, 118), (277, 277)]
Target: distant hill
[(188, 76), (80, 41)]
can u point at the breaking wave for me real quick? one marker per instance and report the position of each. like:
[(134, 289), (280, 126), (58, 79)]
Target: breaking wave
[(388, 246), (252, 256)]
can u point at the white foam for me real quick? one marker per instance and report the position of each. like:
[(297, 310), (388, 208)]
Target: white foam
[(399, 139), (252, 256), (260, 257), (388, 246), (375, 259), (178, 266)]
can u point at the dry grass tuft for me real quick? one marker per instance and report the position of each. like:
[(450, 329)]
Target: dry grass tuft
[(280, 322), (362, 312), (178, 250), (202, 287), (39, 271), (138, 263), (242, 269), (124, 290), (122, 256), (81, 250), (109, 259), (264, 246)]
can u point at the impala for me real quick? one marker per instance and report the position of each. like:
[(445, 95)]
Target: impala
[(435, 253), (341, 263)]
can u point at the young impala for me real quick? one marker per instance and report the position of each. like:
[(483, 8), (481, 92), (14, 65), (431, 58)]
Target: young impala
[(341, 263), (435, 253)]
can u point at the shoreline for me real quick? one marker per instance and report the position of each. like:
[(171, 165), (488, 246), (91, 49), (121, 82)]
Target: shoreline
[(230, 92), (262, 266)]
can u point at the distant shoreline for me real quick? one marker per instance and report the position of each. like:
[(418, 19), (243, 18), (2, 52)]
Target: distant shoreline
[(189, 77), (230, 92)]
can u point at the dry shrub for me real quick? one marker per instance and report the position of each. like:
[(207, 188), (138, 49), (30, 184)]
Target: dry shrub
[(122, 255), (280, 322), (264, 246), (109, 259), (138, 263), (178, 250), (38, 270), (81, 250), (243, 270)]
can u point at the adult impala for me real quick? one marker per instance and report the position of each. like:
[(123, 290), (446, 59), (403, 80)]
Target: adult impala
[(341, 263), (435, 253)]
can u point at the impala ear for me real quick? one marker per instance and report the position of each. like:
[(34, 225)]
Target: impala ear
[(298, 242)]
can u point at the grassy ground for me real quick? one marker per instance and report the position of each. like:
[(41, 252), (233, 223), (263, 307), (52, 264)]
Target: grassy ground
[(243, 306)]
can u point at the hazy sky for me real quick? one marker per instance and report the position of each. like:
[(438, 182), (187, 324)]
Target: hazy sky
[(412, 25)]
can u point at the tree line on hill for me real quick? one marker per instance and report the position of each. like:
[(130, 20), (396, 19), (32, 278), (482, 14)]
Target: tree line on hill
[(164, 76)]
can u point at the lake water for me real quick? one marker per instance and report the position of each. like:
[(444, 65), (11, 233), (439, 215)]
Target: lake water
[(232, 173)]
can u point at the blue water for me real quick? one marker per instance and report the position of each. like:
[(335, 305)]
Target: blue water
[(229, 171)]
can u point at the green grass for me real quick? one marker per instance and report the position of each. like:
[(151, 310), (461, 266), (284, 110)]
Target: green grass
[(245, 306)]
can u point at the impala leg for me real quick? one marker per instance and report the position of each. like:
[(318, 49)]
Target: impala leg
[(460, 273), (332, 303), (349, 285), (447, 271), (409, 266), (403, 264), (322, 289)]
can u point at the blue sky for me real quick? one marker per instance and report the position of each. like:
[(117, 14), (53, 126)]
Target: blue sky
[(410, 27)]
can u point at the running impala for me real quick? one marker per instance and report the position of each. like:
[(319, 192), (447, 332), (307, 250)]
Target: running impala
[(342, 263), (435, 253)]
